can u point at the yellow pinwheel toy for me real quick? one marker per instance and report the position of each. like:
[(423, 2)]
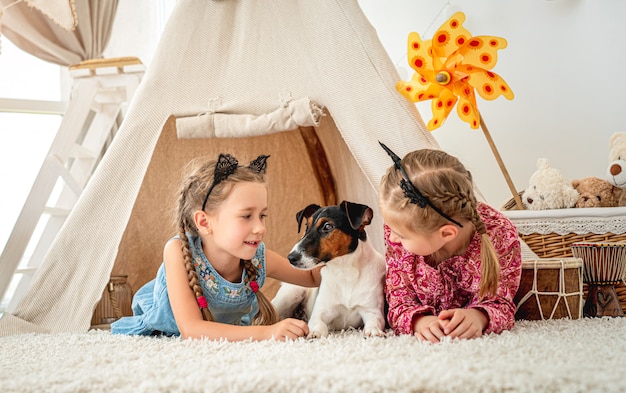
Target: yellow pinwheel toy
[(450, 67)]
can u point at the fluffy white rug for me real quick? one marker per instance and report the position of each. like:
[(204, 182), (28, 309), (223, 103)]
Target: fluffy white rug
[(586, 355)]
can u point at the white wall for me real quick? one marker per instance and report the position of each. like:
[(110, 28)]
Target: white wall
[(137, 27), (564, 62)]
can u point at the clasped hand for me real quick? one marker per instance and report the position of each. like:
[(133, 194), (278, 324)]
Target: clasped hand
[(288, 329), (455, 323)]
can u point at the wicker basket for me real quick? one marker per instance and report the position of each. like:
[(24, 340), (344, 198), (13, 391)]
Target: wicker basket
[(114, 304), (550, 233)]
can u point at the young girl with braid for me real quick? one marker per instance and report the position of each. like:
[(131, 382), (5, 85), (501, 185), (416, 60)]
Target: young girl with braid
[(208, 285), (453, 264)]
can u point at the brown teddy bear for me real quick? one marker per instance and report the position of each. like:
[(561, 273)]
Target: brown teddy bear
[(596, 192)]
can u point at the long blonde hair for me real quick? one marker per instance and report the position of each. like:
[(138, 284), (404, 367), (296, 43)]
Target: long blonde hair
[(444, 180), (190, 199)]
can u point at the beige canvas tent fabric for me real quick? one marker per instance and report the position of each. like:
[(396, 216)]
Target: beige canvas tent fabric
[(229, 57)]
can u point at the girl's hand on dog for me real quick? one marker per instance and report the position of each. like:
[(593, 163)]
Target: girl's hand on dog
[(289, 328), (463, 322)]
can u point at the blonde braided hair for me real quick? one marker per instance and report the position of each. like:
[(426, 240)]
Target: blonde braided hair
[(444, 180), (267, 314), (190, 199)]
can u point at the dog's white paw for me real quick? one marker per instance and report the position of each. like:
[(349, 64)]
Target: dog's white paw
[(318, 331), (373, 332)]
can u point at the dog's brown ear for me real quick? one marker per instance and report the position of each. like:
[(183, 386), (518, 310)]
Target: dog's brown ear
[(306, 213), (359, 215)]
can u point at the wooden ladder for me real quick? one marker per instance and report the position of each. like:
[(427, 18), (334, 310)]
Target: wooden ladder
[(100, 90)]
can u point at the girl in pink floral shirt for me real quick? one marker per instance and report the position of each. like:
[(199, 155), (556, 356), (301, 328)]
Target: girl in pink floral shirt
[(453, 264)]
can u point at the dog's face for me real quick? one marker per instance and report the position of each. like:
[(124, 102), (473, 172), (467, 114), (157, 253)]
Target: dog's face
[(331, 231)]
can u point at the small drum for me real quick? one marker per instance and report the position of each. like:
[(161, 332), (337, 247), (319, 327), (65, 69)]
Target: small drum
[(550, 289), (604, 266)]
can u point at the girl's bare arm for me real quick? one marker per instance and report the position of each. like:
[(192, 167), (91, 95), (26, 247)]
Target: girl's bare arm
[(189, 317)]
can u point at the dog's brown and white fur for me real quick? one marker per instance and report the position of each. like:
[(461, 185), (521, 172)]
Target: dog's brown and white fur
[(351, 291)]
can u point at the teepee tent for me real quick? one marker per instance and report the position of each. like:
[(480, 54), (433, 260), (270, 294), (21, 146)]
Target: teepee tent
[(312, 73)]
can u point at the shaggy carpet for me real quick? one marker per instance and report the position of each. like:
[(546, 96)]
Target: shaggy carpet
[(585, 355)]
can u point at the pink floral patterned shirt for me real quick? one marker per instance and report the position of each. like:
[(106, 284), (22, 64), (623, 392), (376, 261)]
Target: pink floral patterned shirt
[(413, 287)]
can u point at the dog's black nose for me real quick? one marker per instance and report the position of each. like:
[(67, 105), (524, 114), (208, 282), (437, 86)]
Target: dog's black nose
[(293, 257)]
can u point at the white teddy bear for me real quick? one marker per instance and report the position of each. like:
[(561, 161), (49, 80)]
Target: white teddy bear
[(616, 172), (548, 189)]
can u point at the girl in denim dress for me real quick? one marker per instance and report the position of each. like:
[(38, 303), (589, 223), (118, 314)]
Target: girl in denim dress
[(208, 285)]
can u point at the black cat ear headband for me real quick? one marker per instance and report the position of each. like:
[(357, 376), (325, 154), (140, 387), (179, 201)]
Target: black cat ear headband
[(410, 191), (227, 165)]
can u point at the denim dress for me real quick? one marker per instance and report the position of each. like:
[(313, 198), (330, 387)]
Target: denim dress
[(231, 303)]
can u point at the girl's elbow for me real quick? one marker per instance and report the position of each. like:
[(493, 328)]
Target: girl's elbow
[(185, 333), (188, 330)]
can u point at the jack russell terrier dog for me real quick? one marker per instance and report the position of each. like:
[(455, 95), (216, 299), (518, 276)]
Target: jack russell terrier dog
[(351, 291)]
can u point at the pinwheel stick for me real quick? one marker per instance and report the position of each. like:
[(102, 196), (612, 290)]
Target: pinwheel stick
[(492, 145)]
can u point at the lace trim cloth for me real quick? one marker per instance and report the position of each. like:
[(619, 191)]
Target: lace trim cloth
[(597, 220)]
